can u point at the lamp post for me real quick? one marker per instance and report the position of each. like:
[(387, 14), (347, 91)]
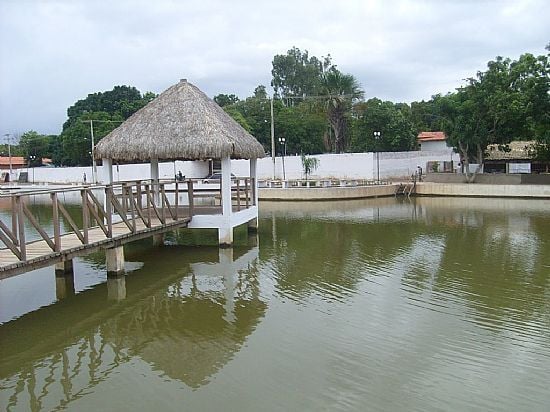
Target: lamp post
[(32, 158), (282, 141), (377, 136), (272, 135)]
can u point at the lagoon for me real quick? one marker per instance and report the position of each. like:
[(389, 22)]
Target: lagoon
[(379, 304)]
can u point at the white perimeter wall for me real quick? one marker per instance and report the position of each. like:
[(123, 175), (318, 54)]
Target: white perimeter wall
[(345, 166)]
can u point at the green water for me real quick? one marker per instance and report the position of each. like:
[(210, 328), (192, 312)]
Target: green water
[(382, 305)]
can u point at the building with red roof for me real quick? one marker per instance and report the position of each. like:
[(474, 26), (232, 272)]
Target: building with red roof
[(432, 141)]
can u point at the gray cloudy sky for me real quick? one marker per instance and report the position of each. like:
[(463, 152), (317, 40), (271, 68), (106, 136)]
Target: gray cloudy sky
[(55, 52)]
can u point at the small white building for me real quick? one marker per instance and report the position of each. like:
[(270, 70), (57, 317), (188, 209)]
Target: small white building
[(432, 141)]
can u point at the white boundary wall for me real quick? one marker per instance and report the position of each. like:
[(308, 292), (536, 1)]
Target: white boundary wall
[(344, 166)]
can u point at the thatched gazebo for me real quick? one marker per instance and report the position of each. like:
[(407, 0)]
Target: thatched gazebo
[(182, 123)]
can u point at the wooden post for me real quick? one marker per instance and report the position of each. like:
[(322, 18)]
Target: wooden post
[(190, 197), (247, 194), (139, 195), (149, 207), (21, 227), (177, 200), (239, 194), (109, 209), (163, 203), (85, 214), (132, 210), (14, 220), (55, 222)]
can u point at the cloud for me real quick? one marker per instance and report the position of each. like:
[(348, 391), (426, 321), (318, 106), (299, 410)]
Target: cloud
[(56, 52)]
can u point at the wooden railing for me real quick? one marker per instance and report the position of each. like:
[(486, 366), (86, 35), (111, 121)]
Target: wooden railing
[(130, 202)]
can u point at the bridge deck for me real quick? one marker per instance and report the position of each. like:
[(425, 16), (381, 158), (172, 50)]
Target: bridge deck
[(39, 254)]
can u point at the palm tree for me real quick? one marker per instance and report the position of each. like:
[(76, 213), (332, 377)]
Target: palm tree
[(341, 90)]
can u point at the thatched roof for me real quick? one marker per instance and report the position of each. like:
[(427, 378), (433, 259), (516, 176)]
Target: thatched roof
[(516, 150), (181, 123)]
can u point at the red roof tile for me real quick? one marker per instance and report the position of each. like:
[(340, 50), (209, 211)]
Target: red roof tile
[(429, 136), (16, 161)]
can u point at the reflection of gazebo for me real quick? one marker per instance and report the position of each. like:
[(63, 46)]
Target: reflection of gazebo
[(182, 123)]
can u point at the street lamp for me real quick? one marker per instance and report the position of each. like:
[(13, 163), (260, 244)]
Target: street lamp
[(282, 141), (377, 136), (32, 158)]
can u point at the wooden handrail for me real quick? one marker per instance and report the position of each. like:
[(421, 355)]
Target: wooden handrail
[(132, 203)]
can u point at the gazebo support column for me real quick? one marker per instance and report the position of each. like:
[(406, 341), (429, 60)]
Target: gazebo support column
[(253, 224), (107, 173), (155, 179), (225, 231)]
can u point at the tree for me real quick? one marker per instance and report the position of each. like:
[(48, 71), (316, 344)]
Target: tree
[(309, 164), (392, 120), (225, 99), (509, 101), (34, 147), (339, 92), (108, 109), (238, 117), (296, 74)]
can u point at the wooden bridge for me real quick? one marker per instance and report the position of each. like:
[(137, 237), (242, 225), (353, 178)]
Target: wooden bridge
[(109, 216)]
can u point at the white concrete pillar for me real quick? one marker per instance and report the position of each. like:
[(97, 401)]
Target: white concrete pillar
[(114, 258), (225, 231), (253, 176), (226, 187), (155, 178), (107, 171)]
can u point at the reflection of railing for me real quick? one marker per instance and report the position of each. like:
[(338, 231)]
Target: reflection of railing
[(318, 183), (93, 361), (186, 311)]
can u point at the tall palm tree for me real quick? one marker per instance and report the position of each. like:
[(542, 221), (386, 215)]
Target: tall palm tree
[(341, 90)]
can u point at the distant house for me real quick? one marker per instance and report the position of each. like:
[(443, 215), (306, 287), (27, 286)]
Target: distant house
[(432, 141), (515, 157), (17, 162)]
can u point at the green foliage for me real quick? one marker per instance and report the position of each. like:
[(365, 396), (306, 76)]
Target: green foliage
[(509, 101), (297, 74), (107, 110), (391, 120), (238, 117), (340, 91), (309, 164), (34, 147), (303, 128), (225, 99)]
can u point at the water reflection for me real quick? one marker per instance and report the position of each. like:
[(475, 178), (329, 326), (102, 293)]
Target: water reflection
[(427, 304), (186, 320)]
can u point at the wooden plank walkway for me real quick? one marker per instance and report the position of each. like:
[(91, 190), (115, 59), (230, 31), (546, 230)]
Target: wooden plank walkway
[(127, 211), (39, 253)]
